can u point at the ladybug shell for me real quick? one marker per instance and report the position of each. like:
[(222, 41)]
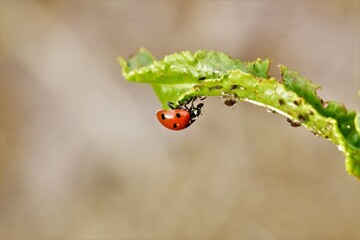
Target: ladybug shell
[(175, 119)]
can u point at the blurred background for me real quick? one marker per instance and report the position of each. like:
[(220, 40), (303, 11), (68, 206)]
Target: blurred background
[(84, 157)]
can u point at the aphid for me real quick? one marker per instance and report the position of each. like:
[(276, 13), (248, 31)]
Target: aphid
[(292, 123), (228, 100), (297, 103), (181, 117), (233, 87)]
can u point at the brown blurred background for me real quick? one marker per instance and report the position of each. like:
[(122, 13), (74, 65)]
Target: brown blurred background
[(83, 156)]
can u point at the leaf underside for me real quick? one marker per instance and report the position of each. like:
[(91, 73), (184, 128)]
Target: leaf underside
[(180, 77)]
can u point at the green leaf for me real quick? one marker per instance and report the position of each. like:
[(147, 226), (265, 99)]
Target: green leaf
[(180, 77)]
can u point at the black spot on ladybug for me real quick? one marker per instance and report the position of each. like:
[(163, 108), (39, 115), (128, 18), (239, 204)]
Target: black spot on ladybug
[(163, 116), (178, 115), (281, 102), (175, 125), (202, 78)]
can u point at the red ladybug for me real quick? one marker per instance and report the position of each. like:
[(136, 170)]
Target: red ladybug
[(179, 118), (174, 119)]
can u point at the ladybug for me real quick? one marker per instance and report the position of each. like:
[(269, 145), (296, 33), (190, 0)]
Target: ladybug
[(181, 117)]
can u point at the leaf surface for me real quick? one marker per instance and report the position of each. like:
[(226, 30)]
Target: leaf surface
[(180, 77)]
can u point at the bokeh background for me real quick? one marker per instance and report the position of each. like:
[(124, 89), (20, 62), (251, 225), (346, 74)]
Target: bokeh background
[(83, 156)]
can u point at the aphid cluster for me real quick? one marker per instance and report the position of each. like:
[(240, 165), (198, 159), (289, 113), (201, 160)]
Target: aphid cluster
[(181, 117)]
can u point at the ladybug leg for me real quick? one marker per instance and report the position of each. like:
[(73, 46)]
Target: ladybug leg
[(171, 105), (192, 103), (180, 106), (188, 101), (191, 108), (185, 107)]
